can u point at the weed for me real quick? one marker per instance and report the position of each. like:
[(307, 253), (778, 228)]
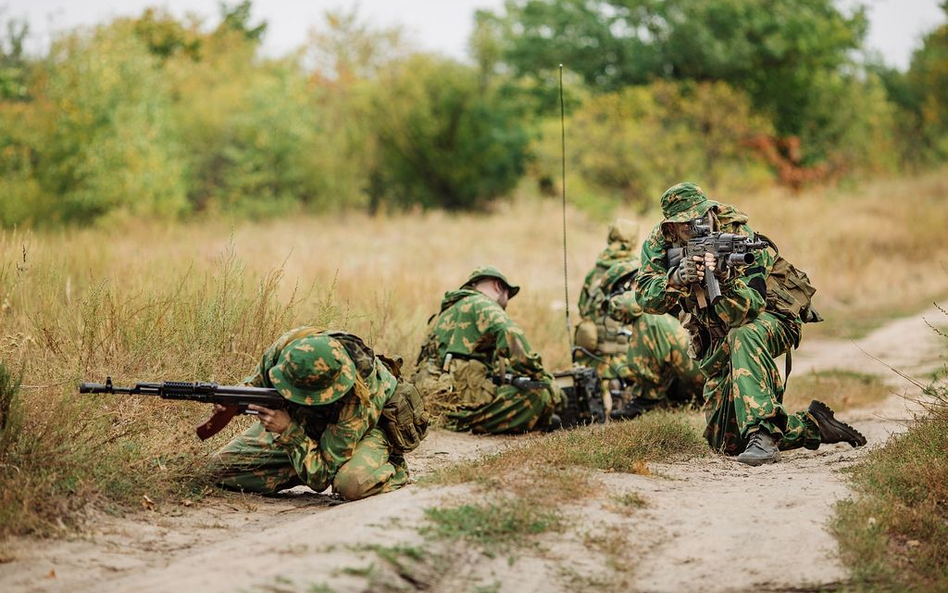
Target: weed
[(894, 536), (494, 526), (630, 500)]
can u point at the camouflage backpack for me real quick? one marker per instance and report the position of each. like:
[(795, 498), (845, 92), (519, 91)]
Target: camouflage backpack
[(789, 290)]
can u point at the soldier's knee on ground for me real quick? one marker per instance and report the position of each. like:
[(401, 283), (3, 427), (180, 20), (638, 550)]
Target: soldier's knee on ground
[(351, 485)]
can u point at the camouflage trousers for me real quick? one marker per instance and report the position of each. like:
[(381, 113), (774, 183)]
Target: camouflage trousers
[(253, 462), (744, 389), (473, 402)]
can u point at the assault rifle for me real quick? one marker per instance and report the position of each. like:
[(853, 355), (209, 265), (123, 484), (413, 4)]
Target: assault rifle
[(729, 249), (234, 398)]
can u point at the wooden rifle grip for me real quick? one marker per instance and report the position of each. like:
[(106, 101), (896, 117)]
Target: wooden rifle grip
[(216, 422)]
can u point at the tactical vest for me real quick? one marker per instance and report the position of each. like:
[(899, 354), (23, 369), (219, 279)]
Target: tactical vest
[(609, 340)]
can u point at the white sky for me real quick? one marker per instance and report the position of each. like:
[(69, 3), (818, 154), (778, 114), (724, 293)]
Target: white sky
[(438, 25)]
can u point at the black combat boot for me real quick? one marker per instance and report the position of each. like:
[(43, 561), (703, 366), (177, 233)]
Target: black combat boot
[(635, 408), (760, 449), (831, 429)]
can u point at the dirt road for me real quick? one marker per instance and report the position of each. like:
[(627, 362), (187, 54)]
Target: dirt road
[(708, 524)]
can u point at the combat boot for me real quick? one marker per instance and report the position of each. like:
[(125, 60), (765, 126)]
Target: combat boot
[(760, 449), (831, 429)]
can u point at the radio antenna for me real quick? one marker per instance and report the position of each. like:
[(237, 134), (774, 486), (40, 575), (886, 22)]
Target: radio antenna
[(569, 334)]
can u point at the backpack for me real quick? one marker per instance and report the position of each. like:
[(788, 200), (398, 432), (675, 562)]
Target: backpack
[(789, 290)]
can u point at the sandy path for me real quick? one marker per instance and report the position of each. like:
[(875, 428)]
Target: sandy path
[(709, 524)]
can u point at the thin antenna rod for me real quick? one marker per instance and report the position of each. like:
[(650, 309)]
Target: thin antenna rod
[(569, 325)]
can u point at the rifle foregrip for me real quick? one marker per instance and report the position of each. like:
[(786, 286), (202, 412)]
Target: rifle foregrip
[(713, 286), (216, 422)]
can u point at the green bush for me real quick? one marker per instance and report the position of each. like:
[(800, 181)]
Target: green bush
[(443, 138), (634, 143)]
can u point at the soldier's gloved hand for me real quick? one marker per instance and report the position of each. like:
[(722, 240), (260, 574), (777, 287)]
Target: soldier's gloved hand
[(689, 271)]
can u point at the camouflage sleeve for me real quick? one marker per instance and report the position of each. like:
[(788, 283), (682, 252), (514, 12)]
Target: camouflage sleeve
[(744, 293), (316, 463), (652, 290), (624, 308), (585, 304), (511, 343)]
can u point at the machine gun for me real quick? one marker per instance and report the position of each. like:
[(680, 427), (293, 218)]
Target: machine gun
[(234, 398), (730, 250)]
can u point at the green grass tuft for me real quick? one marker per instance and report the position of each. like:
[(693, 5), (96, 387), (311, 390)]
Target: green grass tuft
[(492, 526)]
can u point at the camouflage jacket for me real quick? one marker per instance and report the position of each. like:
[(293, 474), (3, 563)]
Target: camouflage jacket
[(320, 439), (743, 293), (472, 326), (591, 296)]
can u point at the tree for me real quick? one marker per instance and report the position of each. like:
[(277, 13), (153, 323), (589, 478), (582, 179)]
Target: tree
[(443, 140), (774, 50)]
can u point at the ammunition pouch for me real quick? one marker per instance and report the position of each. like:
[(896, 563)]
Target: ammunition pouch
[(404, 419), (587, 335)]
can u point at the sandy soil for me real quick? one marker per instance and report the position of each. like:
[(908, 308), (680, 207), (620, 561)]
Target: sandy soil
[(709, 524)]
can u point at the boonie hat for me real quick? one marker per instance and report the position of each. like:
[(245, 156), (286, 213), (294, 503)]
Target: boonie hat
[(491, 272), (313, 371), (684, 202)]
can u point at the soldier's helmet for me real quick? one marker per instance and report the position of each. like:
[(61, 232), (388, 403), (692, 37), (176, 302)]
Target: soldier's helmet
[(313, 371), (490, 272), (617, 277), (684, 202), (623, 230)]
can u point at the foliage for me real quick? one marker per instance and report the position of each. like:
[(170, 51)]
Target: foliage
[(109, 141), (636, 142), (773, 50), (443, 139)]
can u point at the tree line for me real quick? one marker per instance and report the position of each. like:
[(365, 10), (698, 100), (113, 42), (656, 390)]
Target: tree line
[(163, 117)]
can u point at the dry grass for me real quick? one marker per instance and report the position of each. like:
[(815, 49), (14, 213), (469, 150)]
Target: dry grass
[(142, 301), (840, 390)]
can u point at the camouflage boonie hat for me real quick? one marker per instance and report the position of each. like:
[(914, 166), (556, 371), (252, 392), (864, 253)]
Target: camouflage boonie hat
[(490, 272), (617, 273), (684, 202), (623, 230), (313, 371)]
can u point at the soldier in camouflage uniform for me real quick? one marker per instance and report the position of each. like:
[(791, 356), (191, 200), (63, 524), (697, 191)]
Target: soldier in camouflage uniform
[(736, 338), (477, 362), (336, 388), (658, 372), (603, 337)]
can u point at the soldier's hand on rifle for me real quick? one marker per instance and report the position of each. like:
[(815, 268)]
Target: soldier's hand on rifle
[(273, 420), (689, 271), (710, 262)]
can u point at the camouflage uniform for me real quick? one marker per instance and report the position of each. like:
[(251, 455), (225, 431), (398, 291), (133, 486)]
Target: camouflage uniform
[(336, 389), (611, 344), (659, 370), (471, 343), (737, 339)]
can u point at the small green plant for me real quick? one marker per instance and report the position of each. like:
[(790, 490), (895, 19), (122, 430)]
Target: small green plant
[(493, 526), (630, 500)]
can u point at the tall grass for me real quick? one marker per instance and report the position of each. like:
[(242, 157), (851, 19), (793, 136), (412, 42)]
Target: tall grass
[(894, 535), (147, 301)]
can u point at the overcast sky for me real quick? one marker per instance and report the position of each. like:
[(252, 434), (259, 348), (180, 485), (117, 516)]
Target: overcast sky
[(439, 25)]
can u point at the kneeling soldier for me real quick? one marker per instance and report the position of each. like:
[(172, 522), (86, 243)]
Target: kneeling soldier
[(330, 432), (477, 360), (658, 370)]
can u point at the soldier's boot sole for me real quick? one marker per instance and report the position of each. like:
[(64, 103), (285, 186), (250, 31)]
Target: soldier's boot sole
[(831, 429)]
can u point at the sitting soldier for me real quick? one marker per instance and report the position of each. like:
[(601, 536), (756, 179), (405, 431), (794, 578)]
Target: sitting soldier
[(658, 370), (603, 341), (330, 432), (477, 363)]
